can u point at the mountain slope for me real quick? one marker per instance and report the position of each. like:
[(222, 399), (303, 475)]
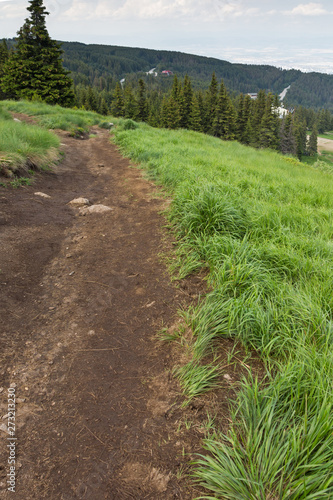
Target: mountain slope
[(103, 65), (88, 63)]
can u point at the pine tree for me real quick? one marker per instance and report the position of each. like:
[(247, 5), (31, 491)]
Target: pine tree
[(185, 103), (224, 122), (268, 133), (195, 116), (242, 118), (118, 105), (176, 88), (4, 54), (246, 134), (312, 148), (301, 137), (90, 102), (142, 106), (170, 113), (35, 69), (288, 142), (256, 117), (210, 105), (104, 110), (129, 103)]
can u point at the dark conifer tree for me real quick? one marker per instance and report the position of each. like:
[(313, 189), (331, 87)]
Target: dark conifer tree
[(118, 105), (176, 88), (35, 69), (246, 134), (185, 103), (287, 137), (242, 118), (142, 105), (210, 105), (170, 113), (195, 117), (258, 111), (301, 137), (4, 54), (90, 102), (312, 148), (104, 110), (224, 118), (268, 133), (129, 103)]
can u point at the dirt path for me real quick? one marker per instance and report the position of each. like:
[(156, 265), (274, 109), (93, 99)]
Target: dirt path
[(82, 298), (325, 144)]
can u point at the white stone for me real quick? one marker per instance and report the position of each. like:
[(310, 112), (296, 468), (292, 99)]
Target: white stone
[(42, 195), (79, 202), (95, 209)]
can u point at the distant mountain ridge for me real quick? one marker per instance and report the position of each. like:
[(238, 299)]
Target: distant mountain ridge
[(90, 63)]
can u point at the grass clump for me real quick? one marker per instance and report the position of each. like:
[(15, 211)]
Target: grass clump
[(76, 121), (280, 443), (25, 147), (261, 224), (196, 379)]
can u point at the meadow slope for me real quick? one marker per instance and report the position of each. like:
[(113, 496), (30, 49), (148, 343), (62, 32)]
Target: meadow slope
[(262, 226), (259, 228)]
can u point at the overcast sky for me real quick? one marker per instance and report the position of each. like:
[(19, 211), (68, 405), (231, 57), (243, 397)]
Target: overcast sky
[(284, 33)]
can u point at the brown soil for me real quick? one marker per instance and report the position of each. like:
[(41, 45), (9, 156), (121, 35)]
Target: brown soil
[(325, 144), (98, 412)]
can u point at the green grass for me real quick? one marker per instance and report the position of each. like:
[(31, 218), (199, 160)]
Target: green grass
[(24, 147), (327, 135), (262, 225), (56, 117)]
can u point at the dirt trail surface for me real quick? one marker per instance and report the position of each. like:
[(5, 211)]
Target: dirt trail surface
[(325, 144), (82, 298)]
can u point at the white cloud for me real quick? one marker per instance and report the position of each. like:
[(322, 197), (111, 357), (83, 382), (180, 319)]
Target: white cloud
[(203, 10), (308, 9), (11, 10)]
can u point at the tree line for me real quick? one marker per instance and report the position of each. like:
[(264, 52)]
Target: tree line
[(258, 123)]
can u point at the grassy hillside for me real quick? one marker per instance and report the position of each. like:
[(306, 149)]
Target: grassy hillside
[(261, 224)]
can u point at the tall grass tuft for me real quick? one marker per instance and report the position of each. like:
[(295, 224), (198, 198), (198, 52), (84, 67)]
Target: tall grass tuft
[(24, 147)]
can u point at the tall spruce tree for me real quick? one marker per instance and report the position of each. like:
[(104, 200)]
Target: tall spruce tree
[(35, 69), (224, 123), (4, 54), (118, 103), (210, 105), (312, 148), (195, 116), (258, 112), (269, 127), (129, 102), (185, 103), (142, 104), (287, 136)]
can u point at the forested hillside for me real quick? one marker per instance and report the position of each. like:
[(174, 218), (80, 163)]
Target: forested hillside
[(102, 66), (91, 63)]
